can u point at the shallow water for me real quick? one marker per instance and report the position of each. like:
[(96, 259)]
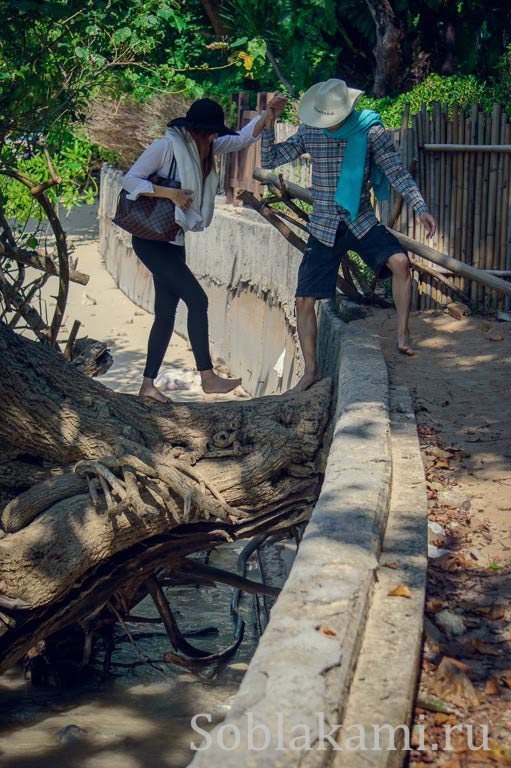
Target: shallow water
[(139, 716)]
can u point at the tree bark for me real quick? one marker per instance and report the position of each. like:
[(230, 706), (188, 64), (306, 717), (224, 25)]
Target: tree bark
[(128, 488), (387, 52)]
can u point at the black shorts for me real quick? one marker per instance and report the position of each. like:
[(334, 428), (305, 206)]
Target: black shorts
[(317, 276)]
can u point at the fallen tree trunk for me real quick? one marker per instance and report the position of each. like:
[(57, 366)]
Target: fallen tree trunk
[(135, 487)]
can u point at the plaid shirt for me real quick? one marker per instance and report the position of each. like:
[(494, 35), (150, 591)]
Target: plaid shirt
[(327, 156)]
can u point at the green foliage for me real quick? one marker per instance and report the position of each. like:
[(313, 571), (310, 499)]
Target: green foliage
[(502, 81), (72, 163), (57, 55), (457, 90)]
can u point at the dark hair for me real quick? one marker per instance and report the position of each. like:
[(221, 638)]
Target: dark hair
[(200, 133)]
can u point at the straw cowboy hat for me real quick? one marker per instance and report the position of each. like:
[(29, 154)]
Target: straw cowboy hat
[(328, 103)]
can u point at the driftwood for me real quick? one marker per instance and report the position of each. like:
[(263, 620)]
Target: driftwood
[(124, 489), (62, 261), (455, 266), (39, 261), (91, 357)]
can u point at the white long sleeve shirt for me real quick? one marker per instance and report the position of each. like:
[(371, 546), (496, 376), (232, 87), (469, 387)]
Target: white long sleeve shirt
[(157, 158)]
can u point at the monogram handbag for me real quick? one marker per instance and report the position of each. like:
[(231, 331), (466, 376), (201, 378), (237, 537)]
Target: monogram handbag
[(152, 218)]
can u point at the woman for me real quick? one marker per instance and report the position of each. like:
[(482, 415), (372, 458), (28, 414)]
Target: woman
[(192, 141)]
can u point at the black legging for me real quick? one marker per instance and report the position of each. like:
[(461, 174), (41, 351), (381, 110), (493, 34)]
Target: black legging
[(173, 280)]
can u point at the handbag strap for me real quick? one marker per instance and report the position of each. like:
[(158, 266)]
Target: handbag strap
[(172, 169)]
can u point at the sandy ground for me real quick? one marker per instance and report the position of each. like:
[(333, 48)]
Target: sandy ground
[(460, 380), (461, 383), (108, 315)]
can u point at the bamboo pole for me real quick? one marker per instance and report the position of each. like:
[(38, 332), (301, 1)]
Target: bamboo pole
[(450, 147), (469, 223), (492, 192), (455, 212), (507, 300), (441, 202), (488, 130), (406, 159), (417, 121), (448, 189), (496, 262), (424, 251), (454, 265), (506, 192), (436, 298), (465, 195), (476, 246), (428, 135)]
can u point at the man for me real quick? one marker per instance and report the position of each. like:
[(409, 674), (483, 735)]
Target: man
[(349, 149)]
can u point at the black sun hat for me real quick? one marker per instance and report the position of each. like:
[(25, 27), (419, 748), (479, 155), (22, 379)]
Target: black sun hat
[(206, 115)]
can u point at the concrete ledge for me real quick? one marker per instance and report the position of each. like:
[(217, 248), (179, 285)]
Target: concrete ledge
[(382, 691), (305, 660)]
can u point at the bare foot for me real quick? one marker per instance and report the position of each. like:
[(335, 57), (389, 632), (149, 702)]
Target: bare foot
[(308, 379), (212, 384), (404, 348), (151, 394)]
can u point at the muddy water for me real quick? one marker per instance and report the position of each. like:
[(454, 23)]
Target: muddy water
[(139, 715)]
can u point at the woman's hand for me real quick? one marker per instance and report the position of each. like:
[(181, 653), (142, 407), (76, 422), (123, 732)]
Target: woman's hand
[(275, 108), (181, 197)]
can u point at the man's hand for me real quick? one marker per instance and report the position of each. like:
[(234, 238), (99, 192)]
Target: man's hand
[(429, 223), (275, 108)]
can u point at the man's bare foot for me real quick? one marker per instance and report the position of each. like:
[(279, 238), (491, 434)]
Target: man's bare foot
[(212, 384), (151, 394), (404, 348), (308, 379)]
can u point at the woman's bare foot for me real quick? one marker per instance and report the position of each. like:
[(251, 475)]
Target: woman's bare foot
[(212, 384), (151, 394), (308, 379), (403, 346)]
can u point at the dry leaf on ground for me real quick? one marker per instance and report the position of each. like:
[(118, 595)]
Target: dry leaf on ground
[(326, 631), (492, 687), (487, 649), (400, 591), (452, 683)]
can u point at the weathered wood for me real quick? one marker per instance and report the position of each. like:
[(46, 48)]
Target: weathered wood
[(91, 357), (454, 265), (169, 480), (68, 351), (504, 148), (26, 507), (39, 261)]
